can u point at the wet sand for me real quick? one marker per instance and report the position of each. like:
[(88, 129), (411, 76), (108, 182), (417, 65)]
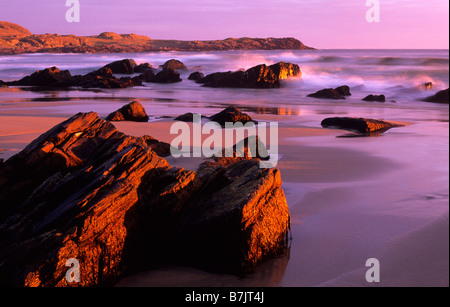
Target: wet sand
[(349, 199)]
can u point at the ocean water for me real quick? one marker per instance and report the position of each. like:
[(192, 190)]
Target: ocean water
[(369, 197)]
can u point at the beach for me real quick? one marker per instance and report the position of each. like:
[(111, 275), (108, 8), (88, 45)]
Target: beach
[(350, 198)]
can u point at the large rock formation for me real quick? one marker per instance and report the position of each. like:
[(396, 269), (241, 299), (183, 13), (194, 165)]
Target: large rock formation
[(173, 64), (84, 190), (260, 76), (360, 125), (133, 111), (47, 77)]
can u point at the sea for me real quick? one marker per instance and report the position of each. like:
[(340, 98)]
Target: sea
[(399, 215)]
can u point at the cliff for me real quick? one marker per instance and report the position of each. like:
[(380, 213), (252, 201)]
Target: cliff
[(15, 39)]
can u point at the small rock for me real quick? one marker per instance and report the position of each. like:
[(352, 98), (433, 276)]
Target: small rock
[(196, 76), (133, 111), (379, 98), (173, 64), (142, 68), (361, 125), (327, 93), (231, 115)]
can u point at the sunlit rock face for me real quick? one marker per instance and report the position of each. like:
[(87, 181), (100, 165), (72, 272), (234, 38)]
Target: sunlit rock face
[(87, 191)]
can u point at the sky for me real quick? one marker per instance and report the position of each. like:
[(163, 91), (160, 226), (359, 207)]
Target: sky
[(323, 24)]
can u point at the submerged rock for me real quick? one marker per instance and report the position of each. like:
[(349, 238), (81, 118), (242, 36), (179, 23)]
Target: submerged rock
[(439, 97), (379, 98), (327, 93), (196, 76), (133, 111), (231, 115), (84, 190), (360, 125)]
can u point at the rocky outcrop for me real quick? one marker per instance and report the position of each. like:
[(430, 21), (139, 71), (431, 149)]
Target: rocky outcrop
[(439, 97), (260, 76), (14, 40), (53, 77), (330, 93), (133, 111), (379, 98), (84, 190), (173, 64), (143, 67), (126, 67), (231, 115), (48, 77), (359, 125), (196, 76)]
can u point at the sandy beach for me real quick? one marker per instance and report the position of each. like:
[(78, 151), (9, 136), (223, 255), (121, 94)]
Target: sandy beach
[(349, 200)]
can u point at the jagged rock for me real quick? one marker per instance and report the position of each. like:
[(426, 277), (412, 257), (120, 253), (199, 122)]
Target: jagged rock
[(360, 125), (126, 66), (328, 93), (284, 70), (167, 76), (379, 98), (260, 76), (84, 190), (439, 97), (133, 111), (196, 76), (231, 115), (47, 77), (142, 68)]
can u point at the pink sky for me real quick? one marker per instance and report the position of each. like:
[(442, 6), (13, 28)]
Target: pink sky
[(318, 23)]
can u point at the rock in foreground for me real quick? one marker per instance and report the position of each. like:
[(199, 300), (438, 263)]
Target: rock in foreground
[(84, 190), (360, 125), (133, 111)]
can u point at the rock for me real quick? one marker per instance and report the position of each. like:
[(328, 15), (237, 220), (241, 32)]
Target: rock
[(231, 115), (249, 148), (284, 70), (360, 125), (379, 98), (48, 77), (147, 76), (187, 117), (327, 93), (173, 64), (196, 76), (3, 84), (109, 35), (167, 76), (122, 67), (84, 190), (142, 68), (133, 111), (428, 85), (260, 76), (439, 97), (343, 90)]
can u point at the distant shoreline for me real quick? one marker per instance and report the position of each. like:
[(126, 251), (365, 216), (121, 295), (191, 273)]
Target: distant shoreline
[(15, 39)]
